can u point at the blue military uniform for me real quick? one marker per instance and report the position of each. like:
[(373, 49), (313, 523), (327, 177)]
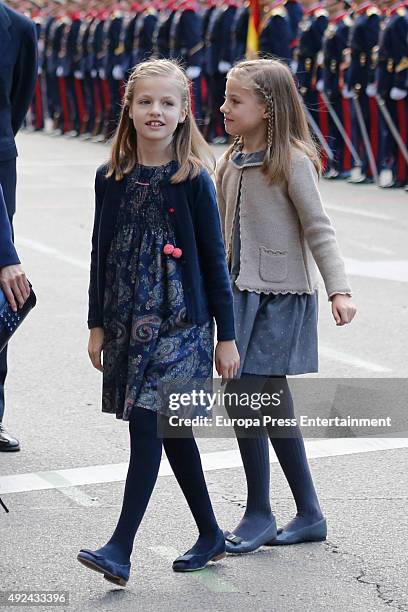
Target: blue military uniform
[(295, 14), (335, 46), (218, 60), (37, 105), (113, 72), (144, 35), (161, 37), (392, 88), (312, 28), (364, 39), (97, 41), (239, 33), (186, 45), (55, 34), (276, 32), (128, 37)]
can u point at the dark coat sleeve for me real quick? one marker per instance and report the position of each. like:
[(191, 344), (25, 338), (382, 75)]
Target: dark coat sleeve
[(213, 261), (94, 314), (8, 254), (24, 77)]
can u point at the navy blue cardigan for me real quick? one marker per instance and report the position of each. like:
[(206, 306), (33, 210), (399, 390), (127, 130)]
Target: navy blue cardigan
[(197, 226)]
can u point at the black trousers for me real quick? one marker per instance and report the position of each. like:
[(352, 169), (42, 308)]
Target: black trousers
[(8, 184)]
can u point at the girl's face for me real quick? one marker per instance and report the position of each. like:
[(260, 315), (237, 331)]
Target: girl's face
[(156, 108), (242, 110)]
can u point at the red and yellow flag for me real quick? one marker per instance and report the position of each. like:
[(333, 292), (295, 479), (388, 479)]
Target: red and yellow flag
[(253, 29)]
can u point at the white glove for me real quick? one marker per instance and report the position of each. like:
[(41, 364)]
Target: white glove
[(193, 72), (60, 71), (346, 93), (94, 73), (371, 90), (39, 71), (294, 66), (398, 94), (78, 74), (223, 67), (118, 73), (320, 85), (102, 73)]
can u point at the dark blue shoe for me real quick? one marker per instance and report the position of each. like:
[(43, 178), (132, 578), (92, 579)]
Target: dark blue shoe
[(311, 533), (112, 571), (191, 562), (236, 545)]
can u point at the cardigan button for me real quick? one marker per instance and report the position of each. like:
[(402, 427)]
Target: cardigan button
[(168, 249), (177, 253), (171, 210)]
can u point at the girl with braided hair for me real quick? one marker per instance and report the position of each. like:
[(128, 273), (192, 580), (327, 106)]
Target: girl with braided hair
[(276, 231)]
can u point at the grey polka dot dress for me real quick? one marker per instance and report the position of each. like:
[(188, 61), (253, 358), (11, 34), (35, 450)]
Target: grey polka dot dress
[(276, 334)]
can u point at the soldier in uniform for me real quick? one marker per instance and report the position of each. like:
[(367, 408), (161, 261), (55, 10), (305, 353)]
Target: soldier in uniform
[(207, 8), (275, 31), (55, 32), (392, 88), (295, 14), (186, 45), (112, 64), (37, 104), (364, 39), (97, 41), (335, 46), (83, 71), (239, 33), (161, 37), (128, 35), (218, 60), (144, 32), (308, 62)]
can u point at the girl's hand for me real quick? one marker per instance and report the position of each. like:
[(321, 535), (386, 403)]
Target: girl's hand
[(226, 358), (343, 309), (95, 347)]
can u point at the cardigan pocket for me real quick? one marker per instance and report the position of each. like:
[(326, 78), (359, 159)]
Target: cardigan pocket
[(273, 265)]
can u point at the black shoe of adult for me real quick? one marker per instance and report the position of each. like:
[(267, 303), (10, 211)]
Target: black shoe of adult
[(7, 442)]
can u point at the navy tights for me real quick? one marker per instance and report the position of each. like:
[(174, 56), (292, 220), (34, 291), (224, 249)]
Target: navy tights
[(145, 456), (290, 452)]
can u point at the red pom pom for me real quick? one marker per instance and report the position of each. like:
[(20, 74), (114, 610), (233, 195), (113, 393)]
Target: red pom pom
[(171, 210), (177, 253), (168, 249)]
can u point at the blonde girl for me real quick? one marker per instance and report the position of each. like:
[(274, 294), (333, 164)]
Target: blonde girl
[(276, 231), (158, 279)]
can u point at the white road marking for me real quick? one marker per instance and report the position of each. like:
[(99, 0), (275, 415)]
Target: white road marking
[(391, 270), (352, 360), (207, 576), (370, 247), (357, 211), (220, 460), (55, 253), (64, 486)]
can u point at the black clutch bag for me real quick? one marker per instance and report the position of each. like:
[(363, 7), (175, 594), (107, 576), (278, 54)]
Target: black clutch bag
[(9, 320)]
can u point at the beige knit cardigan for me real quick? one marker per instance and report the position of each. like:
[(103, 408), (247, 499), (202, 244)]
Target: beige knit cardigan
[(285, 230)]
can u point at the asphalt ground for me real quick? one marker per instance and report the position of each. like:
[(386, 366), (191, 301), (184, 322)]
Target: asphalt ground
[(61, 502)]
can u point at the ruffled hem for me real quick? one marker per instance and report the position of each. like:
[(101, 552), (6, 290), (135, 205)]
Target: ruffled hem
[(277, 291)]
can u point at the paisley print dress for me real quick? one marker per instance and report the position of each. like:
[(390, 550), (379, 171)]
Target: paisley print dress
[(147, 338)]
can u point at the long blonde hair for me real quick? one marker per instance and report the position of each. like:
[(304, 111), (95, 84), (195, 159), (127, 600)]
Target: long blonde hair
[(287, 127), (189, 147)]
